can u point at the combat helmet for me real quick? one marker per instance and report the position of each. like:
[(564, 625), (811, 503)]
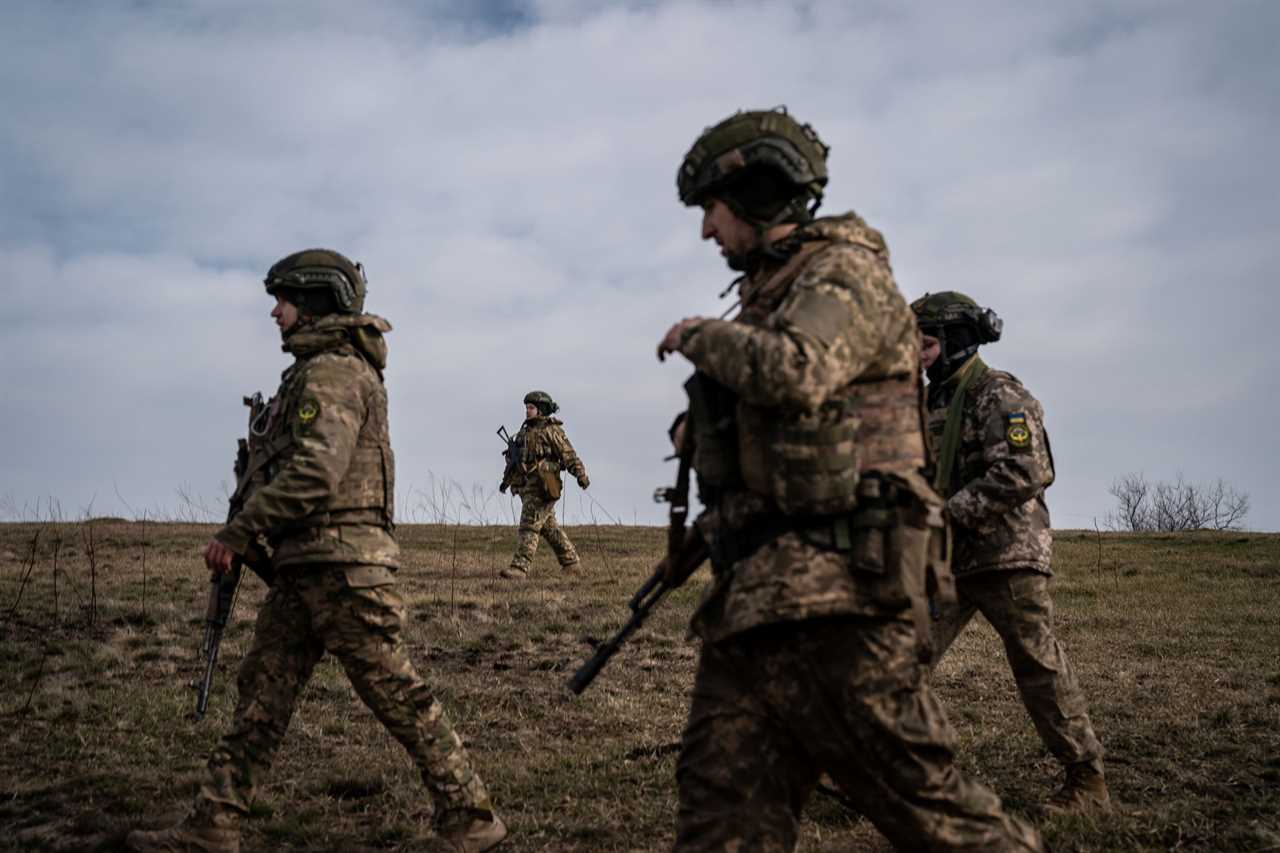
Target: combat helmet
[(321, 281), (756, 142), (959, 324), (542, 400)]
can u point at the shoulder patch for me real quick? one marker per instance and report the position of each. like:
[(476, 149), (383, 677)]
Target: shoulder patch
[(308, 411), (819, 314), (1016, 432)]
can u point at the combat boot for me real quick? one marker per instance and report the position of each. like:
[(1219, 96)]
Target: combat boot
[(572, 567), (514, 573), (1083, 792), (205, 831), (466, 832)]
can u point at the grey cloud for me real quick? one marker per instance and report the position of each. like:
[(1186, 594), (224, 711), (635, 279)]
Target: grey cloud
[(1092, 170)]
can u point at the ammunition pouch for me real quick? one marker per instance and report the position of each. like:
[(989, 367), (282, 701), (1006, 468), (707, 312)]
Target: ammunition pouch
[(895, 537), (806, 462), (898, 546), (810, 463)]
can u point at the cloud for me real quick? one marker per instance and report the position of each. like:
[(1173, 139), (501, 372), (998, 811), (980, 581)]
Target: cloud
[(1094, 171)]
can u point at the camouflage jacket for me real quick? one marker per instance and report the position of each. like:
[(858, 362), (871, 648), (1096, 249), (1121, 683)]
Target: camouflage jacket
[(1002, 467), (544, 445), (321, 474), (780, 356)]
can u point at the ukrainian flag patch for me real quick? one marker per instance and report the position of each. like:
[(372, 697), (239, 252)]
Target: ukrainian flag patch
[(1016, 431)]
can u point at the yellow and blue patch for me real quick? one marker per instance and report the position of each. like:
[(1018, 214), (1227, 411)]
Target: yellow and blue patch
[(1017, 432)]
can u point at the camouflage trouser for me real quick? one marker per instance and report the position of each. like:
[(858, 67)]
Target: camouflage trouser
[(775, 706), (538, 517), (1018, 606), (327, 609)]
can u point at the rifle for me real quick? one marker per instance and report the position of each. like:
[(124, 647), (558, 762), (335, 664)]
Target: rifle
[(512, 455), (223, 588), (222, 597), (684, 552)]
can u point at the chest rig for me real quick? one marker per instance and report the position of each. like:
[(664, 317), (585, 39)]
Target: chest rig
[(806, 462)]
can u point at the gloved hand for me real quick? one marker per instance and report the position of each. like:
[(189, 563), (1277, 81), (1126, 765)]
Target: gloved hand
[(502, 487), (584, 481)]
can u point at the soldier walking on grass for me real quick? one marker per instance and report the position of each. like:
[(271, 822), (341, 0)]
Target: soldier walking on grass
[(318, 488), (804, 430), (993, 465), (543, 452)]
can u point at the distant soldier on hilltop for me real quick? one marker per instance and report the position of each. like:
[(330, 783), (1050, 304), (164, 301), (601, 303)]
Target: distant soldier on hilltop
[(535, 458)]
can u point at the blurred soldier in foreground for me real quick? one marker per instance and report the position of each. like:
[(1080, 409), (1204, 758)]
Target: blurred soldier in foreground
[(993, 466), (804, 427), (535, 458), (318, 487)]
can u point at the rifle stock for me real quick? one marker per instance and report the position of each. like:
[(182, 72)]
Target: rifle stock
[(510, 455), (645, 599), (684, 554)]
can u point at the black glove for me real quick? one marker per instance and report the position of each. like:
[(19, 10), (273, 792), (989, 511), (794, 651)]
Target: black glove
[(584, 481)]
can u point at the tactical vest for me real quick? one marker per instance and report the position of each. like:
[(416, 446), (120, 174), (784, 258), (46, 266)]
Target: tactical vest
[(809, 463), (538, 447), (541, 461), (366, 493)]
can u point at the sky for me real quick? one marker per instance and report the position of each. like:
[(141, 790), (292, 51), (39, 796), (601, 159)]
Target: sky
[(1100, 173)]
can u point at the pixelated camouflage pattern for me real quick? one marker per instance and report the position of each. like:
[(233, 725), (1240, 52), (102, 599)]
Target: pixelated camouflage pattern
[(324, 470), (356, 614), (810, 663), (538, 518), (547, 446), (823, 359), (1018, 606), (834, 326), (774, 708), (998, 510)]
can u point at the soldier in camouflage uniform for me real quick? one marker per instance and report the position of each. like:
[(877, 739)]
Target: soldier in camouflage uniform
[(994, 464), (318, 487), (804, 430), (544, 451)]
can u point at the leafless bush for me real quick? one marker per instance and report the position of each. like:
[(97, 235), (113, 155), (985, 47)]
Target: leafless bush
[(1165, 507), (193, 508)]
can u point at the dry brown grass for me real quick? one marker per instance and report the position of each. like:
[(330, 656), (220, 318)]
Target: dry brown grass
[(1176, 639)]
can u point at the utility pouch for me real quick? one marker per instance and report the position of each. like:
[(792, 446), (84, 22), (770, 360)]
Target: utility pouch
[(550, 481), (927, 557), (940, 583), (873, 536)]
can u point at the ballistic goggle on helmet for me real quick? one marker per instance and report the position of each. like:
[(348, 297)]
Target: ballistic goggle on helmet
[(936, 311), (959, 324), (320, 270)]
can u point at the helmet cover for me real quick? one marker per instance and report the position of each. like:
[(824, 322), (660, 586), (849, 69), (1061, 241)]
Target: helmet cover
[(321, 269)]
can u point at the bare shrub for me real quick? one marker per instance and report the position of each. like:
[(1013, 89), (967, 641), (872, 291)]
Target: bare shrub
[(1167, 507)]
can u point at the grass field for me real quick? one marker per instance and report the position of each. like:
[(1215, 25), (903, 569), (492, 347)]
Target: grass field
[(1176, 639)]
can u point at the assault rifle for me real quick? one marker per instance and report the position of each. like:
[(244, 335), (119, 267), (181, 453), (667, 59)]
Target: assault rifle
[(511, 455), (685, 552), (223, 588)]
